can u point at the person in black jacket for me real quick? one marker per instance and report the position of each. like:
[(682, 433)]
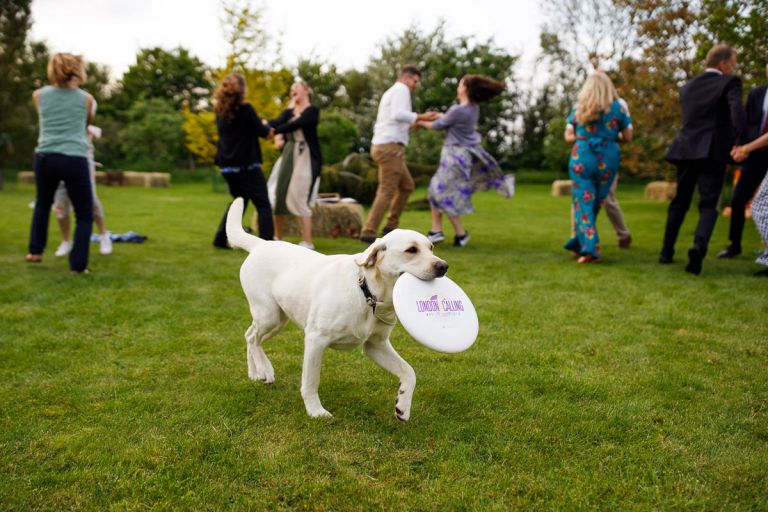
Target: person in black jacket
[(752, 171), (294, 180), (713, 119), (238, 153)]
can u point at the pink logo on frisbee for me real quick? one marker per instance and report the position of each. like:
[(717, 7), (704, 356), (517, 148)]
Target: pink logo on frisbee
[(436, 306)]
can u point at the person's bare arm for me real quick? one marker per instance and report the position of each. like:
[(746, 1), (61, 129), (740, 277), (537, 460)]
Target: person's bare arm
[(569, 135), (626, 134), (89, 107)]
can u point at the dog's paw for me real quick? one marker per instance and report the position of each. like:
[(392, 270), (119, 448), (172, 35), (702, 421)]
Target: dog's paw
[(402, 406), (265, 375), (320, 413)]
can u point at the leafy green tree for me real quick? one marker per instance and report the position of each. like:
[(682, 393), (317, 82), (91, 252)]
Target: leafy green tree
[(338, 136), (175, 76), (744, 25), (153, 138), (325, 80), (18, 64)]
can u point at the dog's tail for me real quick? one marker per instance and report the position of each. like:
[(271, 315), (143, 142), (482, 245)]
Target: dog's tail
[(235, 233)]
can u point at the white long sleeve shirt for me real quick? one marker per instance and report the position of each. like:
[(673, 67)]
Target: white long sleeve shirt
[(395, 116)]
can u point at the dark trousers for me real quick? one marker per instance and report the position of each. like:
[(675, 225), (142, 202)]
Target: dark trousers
[(50, 169), (752, 174), (709, 176), (248, 183)]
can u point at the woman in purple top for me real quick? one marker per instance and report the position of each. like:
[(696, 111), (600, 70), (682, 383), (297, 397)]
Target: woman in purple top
[(465, 166)]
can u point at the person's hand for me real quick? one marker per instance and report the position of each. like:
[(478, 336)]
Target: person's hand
[(279, 141), (431, 116), (271, 133), (739, 154)]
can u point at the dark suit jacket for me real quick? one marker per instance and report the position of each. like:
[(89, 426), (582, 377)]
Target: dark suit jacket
[(713, 118), (754, 113)]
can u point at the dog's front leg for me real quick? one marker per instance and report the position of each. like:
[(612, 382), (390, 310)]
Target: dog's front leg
[(385, 356), (310, 376)]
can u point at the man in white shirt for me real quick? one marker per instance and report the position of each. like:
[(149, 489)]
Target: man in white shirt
[(390, 136)]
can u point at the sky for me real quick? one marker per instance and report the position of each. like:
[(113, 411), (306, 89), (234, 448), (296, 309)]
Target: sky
[(342, 32)]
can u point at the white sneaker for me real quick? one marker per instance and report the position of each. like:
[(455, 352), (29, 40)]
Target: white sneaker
[(64, 248), (307, 245), (105, 243)]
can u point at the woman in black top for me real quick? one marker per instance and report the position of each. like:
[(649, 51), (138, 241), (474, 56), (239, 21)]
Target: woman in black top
[(238, 153), (294, 180)]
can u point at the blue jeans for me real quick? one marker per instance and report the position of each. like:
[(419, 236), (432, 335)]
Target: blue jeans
[(50, 169)]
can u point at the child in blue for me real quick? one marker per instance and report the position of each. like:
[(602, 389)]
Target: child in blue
[(595, 126)]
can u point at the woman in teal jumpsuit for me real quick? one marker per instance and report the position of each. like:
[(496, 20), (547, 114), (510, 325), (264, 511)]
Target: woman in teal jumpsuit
[(594, 159)]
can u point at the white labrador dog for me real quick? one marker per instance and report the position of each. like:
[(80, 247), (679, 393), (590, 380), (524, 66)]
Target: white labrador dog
[(340, 301)]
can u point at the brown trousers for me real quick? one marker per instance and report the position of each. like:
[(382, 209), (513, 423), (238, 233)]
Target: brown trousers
[(395, 185)]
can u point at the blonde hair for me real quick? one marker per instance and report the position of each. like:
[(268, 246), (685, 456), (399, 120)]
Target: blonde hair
[(63, 67), (595, 97)]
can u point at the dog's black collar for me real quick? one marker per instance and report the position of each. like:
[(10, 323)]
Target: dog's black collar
[(370, 298)]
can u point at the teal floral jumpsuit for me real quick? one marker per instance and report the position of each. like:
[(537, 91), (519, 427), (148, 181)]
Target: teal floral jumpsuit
[(593, 166)]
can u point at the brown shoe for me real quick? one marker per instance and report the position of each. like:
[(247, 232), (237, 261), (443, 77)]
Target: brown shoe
[(34, 258), (625, 242)]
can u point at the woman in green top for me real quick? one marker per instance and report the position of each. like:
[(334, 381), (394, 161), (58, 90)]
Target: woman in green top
[(61, 155)]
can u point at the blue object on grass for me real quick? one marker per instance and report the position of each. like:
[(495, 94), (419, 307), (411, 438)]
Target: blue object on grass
[(131, 237)]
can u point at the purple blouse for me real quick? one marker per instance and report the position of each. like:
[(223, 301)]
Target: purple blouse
[(460, 124)]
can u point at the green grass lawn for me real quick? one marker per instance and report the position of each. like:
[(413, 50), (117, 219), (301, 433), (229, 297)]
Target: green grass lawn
[(625, 385)]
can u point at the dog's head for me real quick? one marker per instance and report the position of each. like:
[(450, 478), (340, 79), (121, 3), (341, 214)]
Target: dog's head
[(403, 250)]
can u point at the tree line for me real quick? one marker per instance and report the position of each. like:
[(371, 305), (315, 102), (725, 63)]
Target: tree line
[(158, 116)]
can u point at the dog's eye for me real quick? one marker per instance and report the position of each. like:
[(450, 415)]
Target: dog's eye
[(412, 250)]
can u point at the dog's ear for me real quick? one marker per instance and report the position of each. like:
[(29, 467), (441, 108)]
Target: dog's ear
[(371, 254)]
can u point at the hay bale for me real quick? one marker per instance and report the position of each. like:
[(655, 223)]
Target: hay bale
[(101, 178), (159, 179), (136, 179), (115, 177), (561, 188), (660, 191), (329, 220), (26, 177)]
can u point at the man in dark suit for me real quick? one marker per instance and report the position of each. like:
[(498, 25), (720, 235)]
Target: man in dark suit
[(713, 119), (752, 171)]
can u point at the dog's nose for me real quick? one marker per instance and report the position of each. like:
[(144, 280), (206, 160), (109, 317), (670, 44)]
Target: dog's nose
[(441, 268)]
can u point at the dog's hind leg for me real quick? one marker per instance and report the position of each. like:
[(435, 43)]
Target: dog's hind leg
[(383, 354), (259, 366)]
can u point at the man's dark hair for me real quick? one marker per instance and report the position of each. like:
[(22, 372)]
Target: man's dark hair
[(719, 53), (410, 69)]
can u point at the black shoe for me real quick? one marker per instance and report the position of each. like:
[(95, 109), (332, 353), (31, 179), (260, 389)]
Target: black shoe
[(729, 252), (387, 230), (367, 239), (461, 241), (695, 258), (761, 273), (665, 260), (435, 236)]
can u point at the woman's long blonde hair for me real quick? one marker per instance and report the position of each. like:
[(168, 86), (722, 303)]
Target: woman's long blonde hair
[(595, 97)]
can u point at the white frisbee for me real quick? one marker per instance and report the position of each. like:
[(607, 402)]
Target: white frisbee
[(437, 313)]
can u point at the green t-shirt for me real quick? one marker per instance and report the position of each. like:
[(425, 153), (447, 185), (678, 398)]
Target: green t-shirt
[(63, 119)]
